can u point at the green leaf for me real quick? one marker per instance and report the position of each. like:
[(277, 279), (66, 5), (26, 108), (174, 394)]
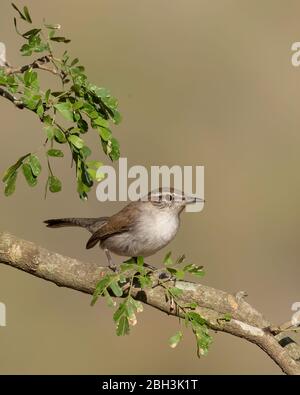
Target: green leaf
[(102, 93), (66, 110), (74, 61), (144, 281), (52, 27), (192, 305), (117, 290), (78, 70), (12, 169), (111, 102), (47, 96), (109, 300), (35, 165), (203, 340), (123, 326), (130, 313), (22, 16), (172, 271), (137, 305), (54, 184), (101, 122), (30, 78), (93, 174), (27, 15), (100, 288), (40, 111), (50, 130), (115, 149), (226, 317), (133, 266), (194, 269), (26, 50), (10, 185), (59, 136), (130, 261), (196, 318), (3, 77), (47, 120), (82, 125), (94, 164), (140, 261), (90, 110), (179, 274), (60, 40), (175, 339), (117, 117), (175, 292), (104, 133), (57, 153), (180, 259), (85, 152), (85, 177), (31, 102), (30, 33), (16, 27), (76, 141), (167, 259), (82, 189), (119, 312), (30, 178), (59, 93)]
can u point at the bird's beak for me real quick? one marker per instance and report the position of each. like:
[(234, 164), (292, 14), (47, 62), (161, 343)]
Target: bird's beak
[(191, 200)]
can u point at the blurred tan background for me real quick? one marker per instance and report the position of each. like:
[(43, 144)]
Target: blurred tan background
[(199, 82)]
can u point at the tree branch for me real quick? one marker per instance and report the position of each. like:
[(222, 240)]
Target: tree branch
[(246, 322), (18, 103), (40, 63)]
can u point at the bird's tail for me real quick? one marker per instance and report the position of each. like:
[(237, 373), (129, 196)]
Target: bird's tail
[(91, 224)]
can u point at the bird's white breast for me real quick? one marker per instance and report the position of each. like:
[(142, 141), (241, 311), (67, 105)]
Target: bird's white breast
[(153, 231), (160, 226)]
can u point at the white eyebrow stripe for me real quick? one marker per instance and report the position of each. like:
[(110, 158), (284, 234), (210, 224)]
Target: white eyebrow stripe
[(155, 194)]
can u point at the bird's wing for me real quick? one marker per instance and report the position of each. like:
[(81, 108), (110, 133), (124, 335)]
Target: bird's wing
[(116, 224)]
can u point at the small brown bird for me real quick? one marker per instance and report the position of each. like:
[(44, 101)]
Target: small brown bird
[(140, 229)]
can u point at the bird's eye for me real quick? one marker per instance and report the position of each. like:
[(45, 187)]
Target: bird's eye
[(170, 197), (160, 197)]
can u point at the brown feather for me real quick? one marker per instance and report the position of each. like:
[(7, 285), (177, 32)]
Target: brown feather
[(118, 223)]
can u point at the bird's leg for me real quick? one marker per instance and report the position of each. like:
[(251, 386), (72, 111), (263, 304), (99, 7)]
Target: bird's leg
[(111, 265)]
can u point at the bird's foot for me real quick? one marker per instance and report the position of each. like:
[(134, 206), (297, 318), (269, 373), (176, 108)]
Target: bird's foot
[(112, 266)]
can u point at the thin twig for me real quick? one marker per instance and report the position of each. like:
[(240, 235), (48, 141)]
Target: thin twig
[(40, 63), (287, 326)]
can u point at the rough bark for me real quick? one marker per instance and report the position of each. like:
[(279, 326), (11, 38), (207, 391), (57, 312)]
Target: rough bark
[(246, 322)]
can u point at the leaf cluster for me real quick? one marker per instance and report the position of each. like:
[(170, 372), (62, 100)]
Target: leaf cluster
[(67, 114), (179, 269), (114, 284), (134, 272)]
